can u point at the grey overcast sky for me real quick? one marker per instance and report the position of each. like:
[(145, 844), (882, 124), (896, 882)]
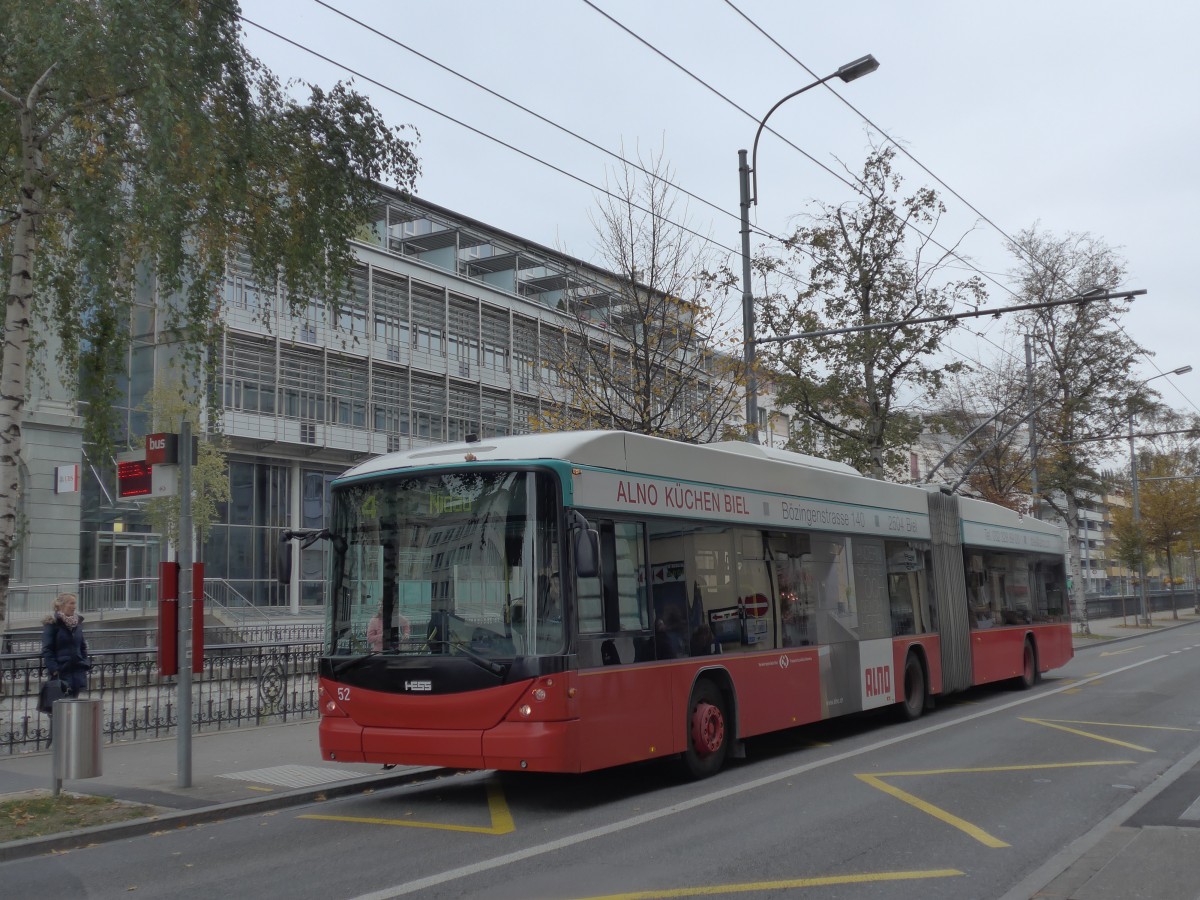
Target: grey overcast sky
[(1079, 116)]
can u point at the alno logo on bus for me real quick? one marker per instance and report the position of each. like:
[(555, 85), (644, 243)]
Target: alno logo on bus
[(878, 681)]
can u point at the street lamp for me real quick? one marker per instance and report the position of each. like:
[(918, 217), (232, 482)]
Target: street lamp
[(863, 66), (1143, 609)]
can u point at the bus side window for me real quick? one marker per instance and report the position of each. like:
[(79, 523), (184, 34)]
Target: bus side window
[(616, 599), (622, 560), (589, 602), (629, 548)]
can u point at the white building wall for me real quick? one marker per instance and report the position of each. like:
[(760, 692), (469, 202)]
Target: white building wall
[(53, 436)]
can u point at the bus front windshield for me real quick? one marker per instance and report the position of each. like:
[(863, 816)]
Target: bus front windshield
[(463, 563)]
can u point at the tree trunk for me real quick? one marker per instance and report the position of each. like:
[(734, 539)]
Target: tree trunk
[(13, 373), (1171, 582)]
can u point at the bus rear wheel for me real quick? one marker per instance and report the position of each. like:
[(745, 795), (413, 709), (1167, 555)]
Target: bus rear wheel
[(913, 704), (708, 734), (1029, 673)]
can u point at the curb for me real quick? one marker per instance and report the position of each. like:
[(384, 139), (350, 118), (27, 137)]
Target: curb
[(86, 837)]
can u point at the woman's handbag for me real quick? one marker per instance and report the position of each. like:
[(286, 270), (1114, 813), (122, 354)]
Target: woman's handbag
[(52, 690)]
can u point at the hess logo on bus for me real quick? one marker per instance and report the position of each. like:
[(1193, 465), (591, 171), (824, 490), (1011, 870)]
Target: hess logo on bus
[(418, 685)]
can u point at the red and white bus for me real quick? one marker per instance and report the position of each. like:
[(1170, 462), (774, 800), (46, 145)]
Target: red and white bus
[(567, 602)]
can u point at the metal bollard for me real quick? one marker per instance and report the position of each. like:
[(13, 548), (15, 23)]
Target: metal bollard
[(76, 749)]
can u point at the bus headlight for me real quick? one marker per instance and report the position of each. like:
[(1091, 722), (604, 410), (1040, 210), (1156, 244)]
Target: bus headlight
[(526, 710)]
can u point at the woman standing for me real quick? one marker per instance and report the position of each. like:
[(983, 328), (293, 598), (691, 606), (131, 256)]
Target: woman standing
[(64, 648)]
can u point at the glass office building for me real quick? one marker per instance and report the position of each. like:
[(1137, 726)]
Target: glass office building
[(447, 330)]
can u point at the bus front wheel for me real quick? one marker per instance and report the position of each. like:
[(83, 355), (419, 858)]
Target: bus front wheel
[(708, 734), (913, 704)]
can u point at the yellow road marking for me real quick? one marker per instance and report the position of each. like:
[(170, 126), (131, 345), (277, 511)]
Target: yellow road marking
[(954, 821), (1023, 768), (929, 809), (1079, 731), (1119, 652), (788, 884), (1116, 724), (502, 820)]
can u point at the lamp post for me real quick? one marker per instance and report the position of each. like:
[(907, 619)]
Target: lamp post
[(863, 66), (1143, 608)]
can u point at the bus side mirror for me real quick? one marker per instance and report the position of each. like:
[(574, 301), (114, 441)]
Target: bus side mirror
[(587, 547)]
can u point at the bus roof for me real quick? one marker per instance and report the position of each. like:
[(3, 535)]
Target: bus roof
[(622, 450), (987, 524), (729, 463)]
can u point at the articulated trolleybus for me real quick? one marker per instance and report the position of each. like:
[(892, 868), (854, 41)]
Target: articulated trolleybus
[(567, 602)]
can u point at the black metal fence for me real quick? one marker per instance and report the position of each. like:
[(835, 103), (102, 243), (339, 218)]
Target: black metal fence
[(1157, 602), (241, 684)]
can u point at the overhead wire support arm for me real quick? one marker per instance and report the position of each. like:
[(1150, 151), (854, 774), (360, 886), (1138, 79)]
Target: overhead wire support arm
[(1090, 297)]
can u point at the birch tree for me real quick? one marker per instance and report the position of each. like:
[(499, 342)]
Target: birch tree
[(140, 133)]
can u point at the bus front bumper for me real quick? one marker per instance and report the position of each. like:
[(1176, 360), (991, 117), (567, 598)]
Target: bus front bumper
[(509, 746)]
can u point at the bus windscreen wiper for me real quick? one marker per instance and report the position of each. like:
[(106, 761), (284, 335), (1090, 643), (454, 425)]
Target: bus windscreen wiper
[(478, 658)]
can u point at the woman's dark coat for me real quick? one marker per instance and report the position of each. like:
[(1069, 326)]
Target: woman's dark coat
[(65, 651)]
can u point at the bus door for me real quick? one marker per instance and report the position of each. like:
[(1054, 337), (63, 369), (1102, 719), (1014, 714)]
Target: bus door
[(624, 709), (845, 580), (756, 594)]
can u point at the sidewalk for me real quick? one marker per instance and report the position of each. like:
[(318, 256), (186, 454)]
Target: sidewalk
[(1148, 847), (1104, 631), (235, 772)]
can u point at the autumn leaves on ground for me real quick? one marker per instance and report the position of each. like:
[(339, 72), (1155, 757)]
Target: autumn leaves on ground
[(36, 813)]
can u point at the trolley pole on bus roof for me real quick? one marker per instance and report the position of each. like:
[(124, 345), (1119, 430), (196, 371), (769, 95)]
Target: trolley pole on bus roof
[(183, 734)]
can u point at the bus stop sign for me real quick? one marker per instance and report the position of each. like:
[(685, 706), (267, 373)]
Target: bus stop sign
[(162, 449)]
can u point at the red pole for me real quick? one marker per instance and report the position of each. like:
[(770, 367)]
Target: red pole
[(168, 618), (197, 617)]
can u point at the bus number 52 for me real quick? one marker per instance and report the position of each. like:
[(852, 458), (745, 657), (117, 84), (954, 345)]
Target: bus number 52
[(343, 694)]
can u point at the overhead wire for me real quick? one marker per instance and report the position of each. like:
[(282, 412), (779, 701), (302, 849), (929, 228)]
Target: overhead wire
[(478, 131), (1014, 245), (854, 185), (533, 157), (707, 239), (857, 187), (562, 128), (758, 229), (525, 109)]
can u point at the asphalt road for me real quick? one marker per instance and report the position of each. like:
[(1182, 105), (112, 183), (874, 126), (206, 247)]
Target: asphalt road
[(964, 803)]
